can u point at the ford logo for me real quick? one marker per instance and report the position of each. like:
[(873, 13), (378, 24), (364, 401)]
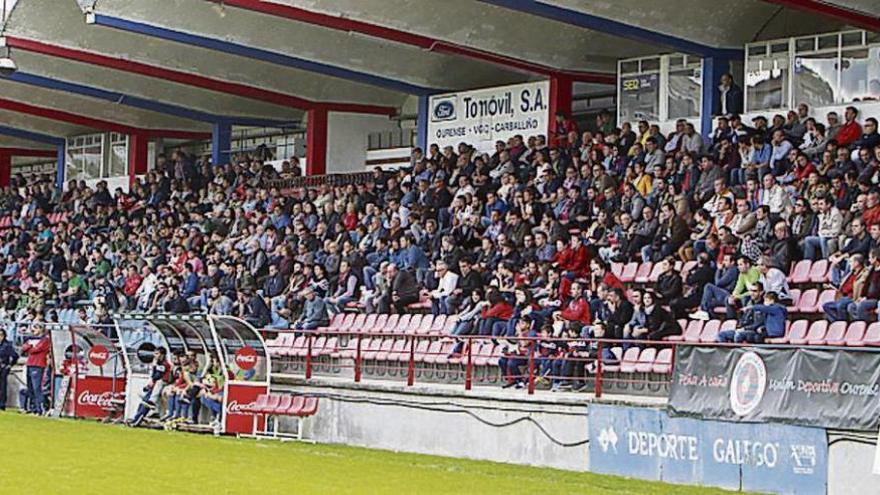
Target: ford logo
[(444, 110)]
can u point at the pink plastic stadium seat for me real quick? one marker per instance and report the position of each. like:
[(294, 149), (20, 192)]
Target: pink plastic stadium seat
[(800, 274), (629, 360), (646, 360), (617, 269), (855, 332), (377, 325), (655, 273), (677, 338), (871, 337), (815, 333), (618, 355), (644, 273), (693, 330), (402, 324), (390, 324), (795, 298), (807, 302), (826, 296), (438, 324), (629, 272), (833, 336), (427, 323), (819, 272), (710, 332), (663, 362), (359, 320)]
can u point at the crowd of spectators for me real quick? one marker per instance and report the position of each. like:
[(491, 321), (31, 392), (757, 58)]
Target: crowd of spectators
[(525, 233)]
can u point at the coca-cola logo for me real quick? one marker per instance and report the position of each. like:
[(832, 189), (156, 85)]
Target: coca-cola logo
[(104, 399), (246, 358), (235, 408), (99, 355)]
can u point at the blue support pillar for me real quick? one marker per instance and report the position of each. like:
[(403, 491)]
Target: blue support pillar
[(221, 143), (62, 165), (422, 124), (713, 67)]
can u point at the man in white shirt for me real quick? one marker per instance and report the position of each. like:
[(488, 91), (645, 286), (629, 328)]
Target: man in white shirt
[(830, 227), (447, 281), (774, 280), (774, 196)]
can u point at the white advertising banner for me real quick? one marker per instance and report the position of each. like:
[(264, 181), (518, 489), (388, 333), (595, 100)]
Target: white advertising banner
[(483, 116)]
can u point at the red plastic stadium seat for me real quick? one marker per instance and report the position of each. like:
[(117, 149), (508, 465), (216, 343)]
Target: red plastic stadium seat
[(687, 268), (350, 350), (677, 338), (663, 362), (369, 353), (819, 272), (416, 321), (815, 333), (433, 352), (617, 269), (854, 334), (629, 360), (329, 348), (385, 349), (644, 273), (872, 335), (445, 351), (295, 405), (257, 405), (646, 360), (270, 405), (309, 408), (807, 302), (317, 345), (833, 336), (421, 350), (400, 351), (335, 322), (346, 323), (795, 297), (283, 405), (629, 272)]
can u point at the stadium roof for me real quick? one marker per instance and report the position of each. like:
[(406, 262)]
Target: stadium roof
[(184, 65)]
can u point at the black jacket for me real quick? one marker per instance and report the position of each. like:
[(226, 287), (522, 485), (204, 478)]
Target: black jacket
[(669, 286), (8, 356)]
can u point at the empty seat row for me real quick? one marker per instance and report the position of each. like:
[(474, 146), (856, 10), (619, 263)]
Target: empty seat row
[(641, 360), (394, 323), (799, 332), (802, 272), (283, 405)]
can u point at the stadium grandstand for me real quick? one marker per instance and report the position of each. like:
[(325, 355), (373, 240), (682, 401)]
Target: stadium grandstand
[(650, 232)]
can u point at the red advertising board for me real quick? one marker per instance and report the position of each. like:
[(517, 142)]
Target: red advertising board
[(238, 396), (93, 395)]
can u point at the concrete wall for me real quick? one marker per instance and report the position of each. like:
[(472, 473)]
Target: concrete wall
[(347, 139), (849, 469), (438, 424)]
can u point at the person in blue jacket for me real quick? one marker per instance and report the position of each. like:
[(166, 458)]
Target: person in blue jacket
[(8, 358), (768, 321)]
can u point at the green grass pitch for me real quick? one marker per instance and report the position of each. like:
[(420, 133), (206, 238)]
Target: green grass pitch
[(49, 456)]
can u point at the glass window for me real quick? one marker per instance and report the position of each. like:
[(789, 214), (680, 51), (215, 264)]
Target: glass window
[(767, 82), (685, 93), (640, 97), (650, 64), (630, 67), (119, 158), (85, 156), (815, 79), (860, 74)]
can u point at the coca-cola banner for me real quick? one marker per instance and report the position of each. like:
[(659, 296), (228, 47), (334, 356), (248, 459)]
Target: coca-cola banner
[(93, 396), (815, 387), (238, 396)]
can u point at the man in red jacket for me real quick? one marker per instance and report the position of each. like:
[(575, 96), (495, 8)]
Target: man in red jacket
[(575, 259), (576, 309), (37, 350), (851, 130)]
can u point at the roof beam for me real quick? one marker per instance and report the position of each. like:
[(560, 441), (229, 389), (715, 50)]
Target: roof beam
[(825, 9), (137, 102), (29, 152), (31, 136), (72, 118), (188, 79), (612, 27), (256, 54), (417, 40)]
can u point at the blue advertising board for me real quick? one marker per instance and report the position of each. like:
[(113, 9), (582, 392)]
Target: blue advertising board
[(647, 443)]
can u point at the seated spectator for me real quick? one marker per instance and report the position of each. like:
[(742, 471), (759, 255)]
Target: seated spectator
[(717, 294), (759, 321), (314, 313), (852, 285)]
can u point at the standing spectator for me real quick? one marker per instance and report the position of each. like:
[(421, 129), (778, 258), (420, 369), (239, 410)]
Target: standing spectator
[(8, 358), (37, 350), (730, 97)]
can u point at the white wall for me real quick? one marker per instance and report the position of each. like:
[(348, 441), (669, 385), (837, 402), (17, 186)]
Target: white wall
[(347, 139)]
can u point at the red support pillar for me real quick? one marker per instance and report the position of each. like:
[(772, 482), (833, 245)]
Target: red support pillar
[(560, 101), (5, 169), (137, 156), (316, 141)]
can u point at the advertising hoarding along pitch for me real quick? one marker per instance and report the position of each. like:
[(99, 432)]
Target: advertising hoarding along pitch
[(646, 443), (483, 116), (816, 387)]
